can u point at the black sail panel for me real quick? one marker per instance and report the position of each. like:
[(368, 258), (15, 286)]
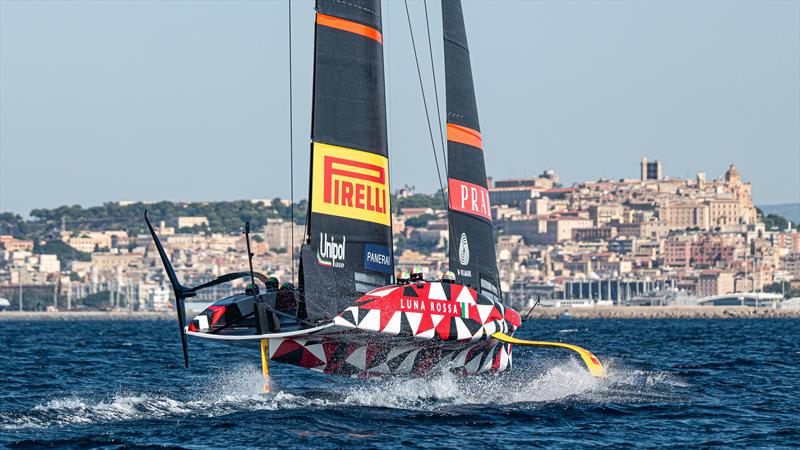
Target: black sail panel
[(348, 247), (472, 252)]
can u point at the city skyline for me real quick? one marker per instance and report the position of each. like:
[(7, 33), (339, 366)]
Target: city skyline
[(398, 188), (646, 240), (93, 110)]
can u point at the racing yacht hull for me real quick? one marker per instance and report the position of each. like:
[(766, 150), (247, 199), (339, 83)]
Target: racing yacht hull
[(412, 329)]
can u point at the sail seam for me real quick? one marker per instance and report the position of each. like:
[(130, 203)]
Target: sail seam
[(457, 44), (356, 6)]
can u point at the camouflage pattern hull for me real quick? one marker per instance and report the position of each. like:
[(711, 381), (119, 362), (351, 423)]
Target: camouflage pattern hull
[(407, 330)]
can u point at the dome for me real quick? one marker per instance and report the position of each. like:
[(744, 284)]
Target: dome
[(732, 174)]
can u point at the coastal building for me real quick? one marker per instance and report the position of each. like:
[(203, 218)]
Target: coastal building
[(714, 282), (277, 234), (650, 170), (10, 244), (684, 214), (678, 251), (191, 221)]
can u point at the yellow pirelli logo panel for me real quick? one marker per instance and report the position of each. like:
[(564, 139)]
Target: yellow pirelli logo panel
[(351, 183)]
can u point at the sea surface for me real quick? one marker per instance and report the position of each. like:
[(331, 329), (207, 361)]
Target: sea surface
[(685, 383)]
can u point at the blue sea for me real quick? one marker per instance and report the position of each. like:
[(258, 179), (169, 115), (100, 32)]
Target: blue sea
[(685, 383)]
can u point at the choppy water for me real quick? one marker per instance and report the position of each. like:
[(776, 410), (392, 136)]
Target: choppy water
[(697, 383)]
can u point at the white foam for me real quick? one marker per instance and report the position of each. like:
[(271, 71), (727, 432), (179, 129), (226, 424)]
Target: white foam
[(233, 390), (240, 389), (564, 380)]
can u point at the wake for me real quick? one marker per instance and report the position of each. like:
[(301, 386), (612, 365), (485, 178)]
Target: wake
[(233, 391), (240, 390)]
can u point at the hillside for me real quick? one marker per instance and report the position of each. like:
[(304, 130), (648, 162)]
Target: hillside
[(223, 217), (791, 211)]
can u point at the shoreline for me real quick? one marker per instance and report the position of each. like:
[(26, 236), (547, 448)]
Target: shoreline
[(84, 315), (663, 312), (593, 312)]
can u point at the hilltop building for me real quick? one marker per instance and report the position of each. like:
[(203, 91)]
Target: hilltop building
[(651, 170)]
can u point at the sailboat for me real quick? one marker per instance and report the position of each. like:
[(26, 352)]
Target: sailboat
[(349, 315)]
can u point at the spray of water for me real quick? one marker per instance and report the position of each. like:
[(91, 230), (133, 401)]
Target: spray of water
[(558, 382), (240, 389), (230, 391)]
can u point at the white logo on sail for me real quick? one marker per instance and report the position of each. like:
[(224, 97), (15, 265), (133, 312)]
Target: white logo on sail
[(463, 250), (329, 253)]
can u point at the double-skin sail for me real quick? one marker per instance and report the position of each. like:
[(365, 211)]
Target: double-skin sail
[(348, 247), (472, 253)]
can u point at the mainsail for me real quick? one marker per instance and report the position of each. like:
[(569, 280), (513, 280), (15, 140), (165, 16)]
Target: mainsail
[(348, 247), (472, 254)]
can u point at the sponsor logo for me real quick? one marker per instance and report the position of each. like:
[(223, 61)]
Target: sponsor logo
[(377, 258), (469, 198), (464, 273), (463, 250), (330, 253), (351, 183), (434, 307)]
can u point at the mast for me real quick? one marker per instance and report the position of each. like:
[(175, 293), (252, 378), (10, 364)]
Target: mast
[(472, 252), (347, 251)]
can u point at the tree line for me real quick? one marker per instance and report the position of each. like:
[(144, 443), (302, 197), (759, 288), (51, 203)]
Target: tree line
[(223, 216)]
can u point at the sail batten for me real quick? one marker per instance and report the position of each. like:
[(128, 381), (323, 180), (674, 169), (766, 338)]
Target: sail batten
[(472, 252), (349, 242)]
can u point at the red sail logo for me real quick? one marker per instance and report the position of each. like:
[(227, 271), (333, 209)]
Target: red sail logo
[(362, 189), (354, 184), (469, 198)]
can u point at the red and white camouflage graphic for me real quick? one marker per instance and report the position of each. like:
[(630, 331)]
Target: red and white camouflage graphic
[(409, 329)]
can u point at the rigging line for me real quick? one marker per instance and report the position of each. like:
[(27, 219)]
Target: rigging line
[(388, 94), (291, 147), (425, 103), (436, 89), (441, 133)]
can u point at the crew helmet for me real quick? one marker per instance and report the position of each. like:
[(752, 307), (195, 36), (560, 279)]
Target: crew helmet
[(416, 273), (272, 283), (251, 289), (403, 277), (448, 277)]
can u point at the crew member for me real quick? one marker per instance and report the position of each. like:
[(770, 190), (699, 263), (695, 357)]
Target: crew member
[(251, 289), (416, 275), (272, 284), (266, 320), (403, 277), (448, 277)]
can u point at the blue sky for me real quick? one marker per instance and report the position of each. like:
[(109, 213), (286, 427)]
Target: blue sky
[(185, 100)]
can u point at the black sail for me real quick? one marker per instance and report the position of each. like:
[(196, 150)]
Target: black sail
[(348, 247), (472, 253)]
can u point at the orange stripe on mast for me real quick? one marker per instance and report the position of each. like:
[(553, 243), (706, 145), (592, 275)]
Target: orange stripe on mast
[(464, 135), (350, 26)]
